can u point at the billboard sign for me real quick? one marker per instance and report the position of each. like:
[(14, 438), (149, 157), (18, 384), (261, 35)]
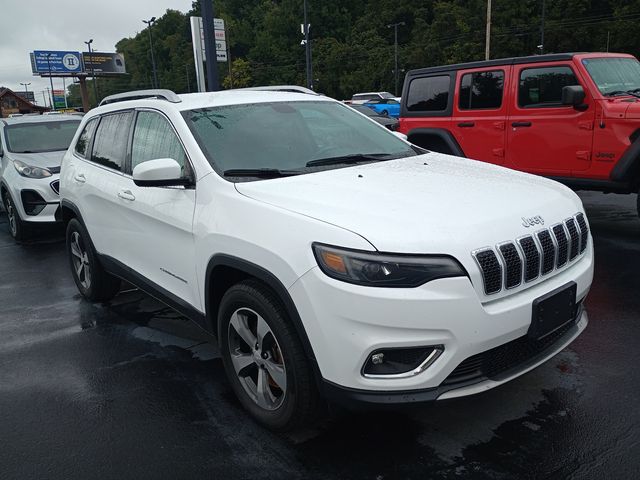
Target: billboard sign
[(58, 99), (44, 62), (28, 95), (103, 63)]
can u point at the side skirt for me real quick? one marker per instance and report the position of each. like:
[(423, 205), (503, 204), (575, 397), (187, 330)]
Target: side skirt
[(126, 273)]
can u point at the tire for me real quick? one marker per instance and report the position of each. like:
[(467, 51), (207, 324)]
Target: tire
[(17, 228), (93, 282), (638, 204), (289, 398)]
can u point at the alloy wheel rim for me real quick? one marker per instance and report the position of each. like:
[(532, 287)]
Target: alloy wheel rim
[(11, 215), (80, 258), (257, 359)]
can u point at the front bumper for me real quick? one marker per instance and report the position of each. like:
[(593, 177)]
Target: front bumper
[(346, 322), (35, 199)]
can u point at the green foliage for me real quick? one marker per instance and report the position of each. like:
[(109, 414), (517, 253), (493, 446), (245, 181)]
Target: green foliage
[(353, 48)]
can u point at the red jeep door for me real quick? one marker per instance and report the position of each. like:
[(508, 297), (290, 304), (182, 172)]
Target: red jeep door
[(545, 136), (480, 113)]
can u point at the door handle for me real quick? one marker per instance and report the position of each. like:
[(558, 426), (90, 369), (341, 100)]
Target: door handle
[(80, 178), (521, 124), (126, 195), (466, 124)]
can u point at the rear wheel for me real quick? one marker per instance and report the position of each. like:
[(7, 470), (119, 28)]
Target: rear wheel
[(17, 227), (93, 282), (264, 359)]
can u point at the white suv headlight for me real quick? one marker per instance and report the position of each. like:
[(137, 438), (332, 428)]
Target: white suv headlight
[(383, 269), (29, 171)]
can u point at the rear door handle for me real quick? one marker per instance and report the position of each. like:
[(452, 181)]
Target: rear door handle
[(80, 178), (521, 124), (466, 124), (126, 195)]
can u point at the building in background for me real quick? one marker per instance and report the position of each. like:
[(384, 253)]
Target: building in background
[(11, 102), (28, 95)]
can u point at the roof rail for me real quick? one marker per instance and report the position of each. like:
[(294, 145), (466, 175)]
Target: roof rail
[(160, 94), (283, 88)]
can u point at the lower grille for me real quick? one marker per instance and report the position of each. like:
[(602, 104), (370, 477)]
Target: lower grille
[(492, 363)]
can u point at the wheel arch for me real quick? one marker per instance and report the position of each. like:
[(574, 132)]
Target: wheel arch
[(627, 169), (224, 271), (436, 139)]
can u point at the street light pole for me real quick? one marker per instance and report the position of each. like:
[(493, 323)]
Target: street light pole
[(307, 48), (93, 73), (153, 58), (487, 41), (395, 45), (25, 89), (53, 103)]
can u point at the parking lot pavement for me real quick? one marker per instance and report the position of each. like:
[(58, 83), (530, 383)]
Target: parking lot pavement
[(131, 390)]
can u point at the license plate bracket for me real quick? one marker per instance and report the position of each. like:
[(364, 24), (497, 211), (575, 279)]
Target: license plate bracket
[(553, 310)]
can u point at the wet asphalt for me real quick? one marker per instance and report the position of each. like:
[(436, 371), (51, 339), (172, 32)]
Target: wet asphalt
[(132, 390)]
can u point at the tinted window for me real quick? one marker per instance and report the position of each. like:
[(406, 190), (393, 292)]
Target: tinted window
[(82, 145), (542, 87), (481, 90), (430, 94), (39, 137), (154, 138), (110, 144)]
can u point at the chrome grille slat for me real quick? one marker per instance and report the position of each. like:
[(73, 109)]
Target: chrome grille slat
[(510, 264)]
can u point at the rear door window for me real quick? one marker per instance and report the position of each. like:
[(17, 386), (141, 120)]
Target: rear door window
[(429, 94), (542, 87), (481, 90), (84, 141), (111, 139)]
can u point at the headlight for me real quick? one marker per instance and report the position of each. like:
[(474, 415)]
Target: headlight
[(384, 270), (29, 171)]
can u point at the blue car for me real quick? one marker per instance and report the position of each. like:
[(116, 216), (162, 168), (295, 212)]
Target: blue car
[(385, 106)]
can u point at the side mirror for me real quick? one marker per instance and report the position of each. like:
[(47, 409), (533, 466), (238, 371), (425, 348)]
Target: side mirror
[(163, 172), (401, 136), (573, 95)]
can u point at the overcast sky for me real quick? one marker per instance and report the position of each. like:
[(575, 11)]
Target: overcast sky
[(29, 25)]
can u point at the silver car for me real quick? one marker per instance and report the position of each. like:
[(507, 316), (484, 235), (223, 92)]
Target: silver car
[(31, 149)]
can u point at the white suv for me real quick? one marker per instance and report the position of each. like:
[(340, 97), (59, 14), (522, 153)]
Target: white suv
[(329, 256), (31, 149)]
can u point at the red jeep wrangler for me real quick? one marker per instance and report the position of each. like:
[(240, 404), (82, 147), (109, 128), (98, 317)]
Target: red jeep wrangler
[(571, 117)]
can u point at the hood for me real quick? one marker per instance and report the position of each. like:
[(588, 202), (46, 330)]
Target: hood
[(431, 203), (43, 160)]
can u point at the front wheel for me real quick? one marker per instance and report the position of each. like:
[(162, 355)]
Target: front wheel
[(17, 227), (93, 282), (264, 359)]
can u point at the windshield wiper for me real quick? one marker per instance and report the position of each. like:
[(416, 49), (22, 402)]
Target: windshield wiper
[(353, 158), (260, 172), (618, 93)]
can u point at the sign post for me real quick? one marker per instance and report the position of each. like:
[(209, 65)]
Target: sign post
[(199, 46)]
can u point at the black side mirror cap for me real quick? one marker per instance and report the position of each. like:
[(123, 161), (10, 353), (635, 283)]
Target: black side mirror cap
[(573, 95)]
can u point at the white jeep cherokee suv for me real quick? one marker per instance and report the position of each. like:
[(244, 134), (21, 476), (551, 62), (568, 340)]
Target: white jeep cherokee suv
[(329, 256)]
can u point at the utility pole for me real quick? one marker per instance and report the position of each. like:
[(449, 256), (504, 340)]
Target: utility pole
[(186, 69), (53, 103), (64, 92), (608, 38), (487, 42), (542, 28), (211, 57), (307, 47), (395, 44), (93, 74), (153, 58)]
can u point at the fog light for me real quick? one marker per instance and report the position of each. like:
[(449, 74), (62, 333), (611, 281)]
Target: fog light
[(377, 358), (400, 362)]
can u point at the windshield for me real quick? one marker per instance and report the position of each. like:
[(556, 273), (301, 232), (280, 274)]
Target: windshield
[(614, 74), (288, 136), (369, 112), (387, 95), (41, 136)]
